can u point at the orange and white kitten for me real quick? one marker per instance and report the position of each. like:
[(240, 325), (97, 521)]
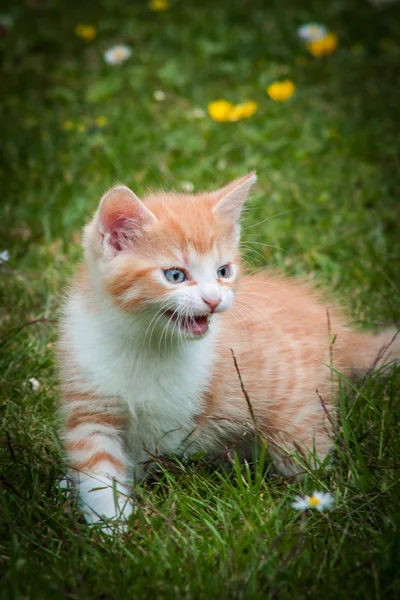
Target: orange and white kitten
[(147, 337)]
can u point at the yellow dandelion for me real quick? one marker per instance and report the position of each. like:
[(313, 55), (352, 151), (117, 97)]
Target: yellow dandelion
[(243, 111), (220, 110), (68, 125), (323, 47), (159, 5), (281, 90), (101, 121), (86, 32)]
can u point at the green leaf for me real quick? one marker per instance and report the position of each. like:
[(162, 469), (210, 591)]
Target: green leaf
[(103, 89)]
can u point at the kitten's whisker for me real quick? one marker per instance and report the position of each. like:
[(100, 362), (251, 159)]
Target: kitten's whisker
[(266, 245), (269, 218), (165, 331), (255, 271), (236, 310), (262, 312), (262, 305), (249, 249), (160, 312), (262, 309), (243, 284), (278, 304), (170, 320)]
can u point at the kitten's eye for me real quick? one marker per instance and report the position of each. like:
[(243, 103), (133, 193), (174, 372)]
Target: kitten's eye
[(175, 275), (224, 272)]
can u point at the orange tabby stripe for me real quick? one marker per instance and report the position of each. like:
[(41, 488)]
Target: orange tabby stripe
[(76, 396), (90, 463), (78, 445), (80, 418), (127, 279)]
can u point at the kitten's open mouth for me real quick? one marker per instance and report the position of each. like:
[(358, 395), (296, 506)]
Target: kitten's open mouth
[(195, 325)]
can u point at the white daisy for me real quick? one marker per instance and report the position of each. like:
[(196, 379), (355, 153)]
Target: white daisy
[(197, 113), (159, 95), (117, 54), (312, 32), (319, 500), (4, 256), (187, 186)]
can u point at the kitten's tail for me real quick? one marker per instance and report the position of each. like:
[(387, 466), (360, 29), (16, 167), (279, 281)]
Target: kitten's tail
[(365, 352)]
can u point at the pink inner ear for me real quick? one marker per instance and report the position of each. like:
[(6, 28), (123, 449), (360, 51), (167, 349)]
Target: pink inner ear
[(121, 219), (116, 228)]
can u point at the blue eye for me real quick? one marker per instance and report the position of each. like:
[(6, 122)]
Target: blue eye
[(175, 275), (224, 272)]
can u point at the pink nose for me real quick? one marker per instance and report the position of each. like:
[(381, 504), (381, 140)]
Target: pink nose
[(212, 303)]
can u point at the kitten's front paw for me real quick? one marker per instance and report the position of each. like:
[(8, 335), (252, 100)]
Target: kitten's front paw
[(105, 500)]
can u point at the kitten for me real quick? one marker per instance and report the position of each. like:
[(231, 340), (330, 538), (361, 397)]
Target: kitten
[(147, 340)]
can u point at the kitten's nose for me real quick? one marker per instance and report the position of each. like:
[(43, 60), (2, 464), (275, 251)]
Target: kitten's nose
[(212, 302)]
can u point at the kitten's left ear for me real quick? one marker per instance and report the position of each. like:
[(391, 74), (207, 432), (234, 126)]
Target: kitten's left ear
[(121, 218), (232, 196)]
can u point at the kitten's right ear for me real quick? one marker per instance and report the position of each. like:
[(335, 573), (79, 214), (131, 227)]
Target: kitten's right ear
[(232, 196), (121, 218)]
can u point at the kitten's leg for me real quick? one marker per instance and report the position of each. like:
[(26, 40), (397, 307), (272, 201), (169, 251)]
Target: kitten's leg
[(294, 450), (96, 456), (300, 450)]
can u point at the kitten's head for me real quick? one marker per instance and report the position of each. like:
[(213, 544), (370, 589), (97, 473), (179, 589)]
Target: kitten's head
[(173, 258)]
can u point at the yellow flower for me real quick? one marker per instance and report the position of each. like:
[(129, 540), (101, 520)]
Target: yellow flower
[(101, 121), (243, 111), (324, 46), (220, 110), (159, 5), (68, 125), (281, 90), (86, 32)]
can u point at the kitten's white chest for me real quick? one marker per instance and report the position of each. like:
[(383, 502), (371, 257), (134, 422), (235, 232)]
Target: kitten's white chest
[(162, 391)]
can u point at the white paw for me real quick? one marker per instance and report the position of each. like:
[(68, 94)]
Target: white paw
[(105, 500)]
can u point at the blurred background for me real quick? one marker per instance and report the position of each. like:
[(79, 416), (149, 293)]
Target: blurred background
[(99, 92), (188, 95)]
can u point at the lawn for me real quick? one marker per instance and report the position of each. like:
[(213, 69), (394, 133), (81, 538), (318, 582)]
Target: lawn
[(326, 207)]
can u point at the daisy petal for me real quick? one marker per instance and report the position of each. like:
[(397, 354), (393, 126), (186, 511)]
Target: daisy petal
[(117, 54)]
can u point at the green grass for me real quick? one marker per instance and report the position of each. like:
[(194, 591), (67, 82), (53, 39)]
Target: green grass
[(328, 165)]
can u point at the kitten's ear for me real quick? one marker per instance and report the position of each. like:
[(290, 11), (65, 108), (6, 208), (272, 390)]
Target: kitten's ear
[(121, 217), (232, 196)]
